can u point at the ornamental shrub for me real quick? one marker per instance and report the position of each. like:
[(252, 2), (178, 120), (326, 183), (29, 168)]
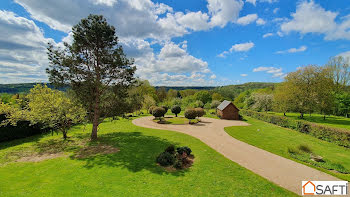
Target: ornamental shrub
[(183, 149), (200, 112), (176, 110), (158, 112), (166, 159), (190, 114), (150, 110)]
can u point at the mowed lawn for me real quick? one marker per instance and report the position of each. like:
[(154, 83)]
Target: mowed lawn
[(277, 140), (334, 121), (130, 172)]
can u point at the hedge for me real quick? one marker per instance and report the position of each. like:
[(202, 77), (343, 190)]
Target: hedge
[(22, 130), (338, 136)]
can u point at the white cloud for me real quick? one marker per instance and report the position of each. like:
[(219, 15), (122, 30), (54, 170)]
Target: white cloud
[(243, 47), (268, 35), (293, 50), (260, 21), (312, 18), (213, 76), (276, 72), (276, 10), (224, 11), (245, 20), (22, 50), (193, 20), (244, 75), (269, 1), (345, 54), (171, 66), (251, 1)]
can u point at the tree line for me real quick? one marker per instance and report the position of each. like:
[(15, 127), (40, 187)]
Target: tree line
[(310, 89)]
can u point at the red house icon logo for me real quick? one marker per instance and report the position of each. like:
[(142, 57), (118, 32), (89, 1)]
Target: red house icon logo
[(309, 188)]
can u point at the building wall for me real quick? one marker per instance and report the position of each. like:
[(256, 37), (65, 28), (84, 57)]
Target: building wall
[(229, 113)]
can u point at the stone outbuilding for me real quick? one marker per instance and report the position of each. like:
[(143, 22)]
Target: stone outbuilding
[(227, 110)]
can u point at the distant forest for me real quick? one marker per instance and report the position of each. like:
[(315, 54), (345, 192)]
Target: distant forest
[(230, 91)]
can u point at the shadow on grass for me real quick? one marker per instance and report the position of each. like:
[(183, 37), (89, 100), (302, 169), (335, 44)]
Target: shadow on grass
[(137, 152)]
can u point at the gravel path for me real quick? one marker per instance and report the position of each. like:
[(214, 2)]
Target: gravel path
[(283, 172)]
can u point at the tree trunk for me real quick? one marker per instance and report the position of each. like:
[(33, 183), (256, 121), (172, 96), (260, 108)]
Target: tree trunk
[(95, 121), (284, 113), (324, 117), (302, 115), (176, 115), (64, 134)]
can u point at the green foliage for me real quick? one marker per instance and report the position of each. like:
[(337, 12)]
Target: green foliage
[(190, 114), (232, 91), (198, 103), (150, 110), (183, 149), (200, 112), (305, 148), (165, 108), (53, 109), (166, 159), (214, 104), (158, 112), (203, 96), (217, 97), (148, 101), (338, 136), (176, 110)]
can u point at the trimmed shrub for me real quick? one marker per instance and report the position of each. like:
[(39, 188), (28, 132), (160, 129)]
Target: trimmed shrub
[(165, 108), (166, 159), (150, 110), (176, 110), (200, 112), (170, 149), (158, 112), (183, 149), (338, 136), (190, 114)]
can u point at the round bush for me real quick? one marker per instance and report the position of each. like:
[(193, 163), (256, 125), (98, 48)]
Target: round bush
[(176, 110), (170, 149), (158, 112), (200, 112), (185, 149), (165, 108), (166, 159), (150, 110), (190, 114)]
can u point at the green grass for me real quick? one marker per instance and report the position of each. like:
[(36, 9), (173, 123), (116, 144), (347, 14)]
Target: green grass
[(334, 121), (130, 172), (277, 140)]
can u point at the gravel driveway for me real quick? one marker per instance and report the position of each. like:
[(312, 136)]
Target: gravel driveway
[(283, 172)]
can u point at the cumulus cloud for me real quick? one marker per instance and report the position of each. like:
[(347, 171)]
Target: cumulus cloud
[(242, 47), (22, 50), (345, 54), (293, 50), (245, 20), (260, 21), (312, 18), (251, 1), (276, 10), (173, 65), (276, 72), (268, 35), (224, 11), (244, 75)]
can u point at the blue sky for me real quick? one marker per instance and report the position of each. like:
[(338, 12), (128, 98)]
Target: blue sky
[(181, 42)]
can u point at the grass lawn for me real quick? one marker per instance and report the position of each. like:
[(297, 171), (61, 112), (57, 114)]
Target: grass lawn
[(129, 172), (277, 140), (334, 121)]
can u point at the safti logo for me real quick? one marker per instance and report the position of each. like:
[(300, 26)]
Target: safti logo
[(324, 187)]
